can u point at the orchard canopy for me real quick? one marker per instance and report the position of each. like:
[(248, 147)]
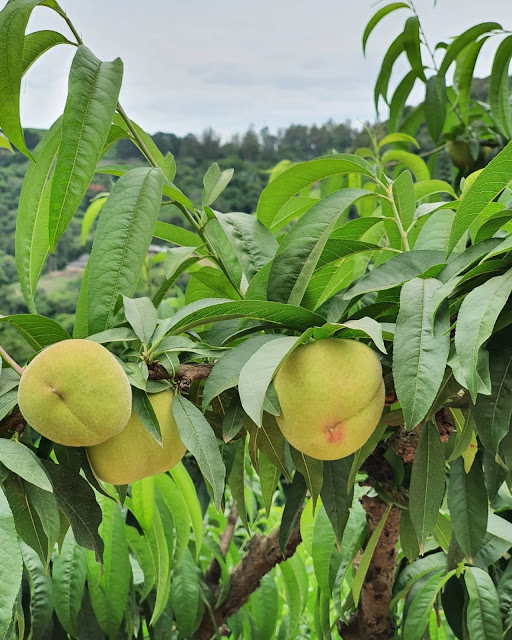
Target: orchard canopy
[(290, 420)]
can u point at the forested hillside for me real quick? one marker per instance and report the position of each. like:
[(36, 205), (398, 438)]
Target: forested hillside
[(251, 155)]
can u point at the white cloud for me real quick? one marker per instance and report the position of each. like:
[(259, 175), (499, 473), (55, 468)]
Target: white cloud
[(230, 64)]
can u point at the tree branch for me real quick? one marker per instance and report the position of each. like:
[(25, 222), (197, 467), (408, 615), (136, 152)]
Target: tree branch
[(212, 574), (184, 377), (262, 556), (372, 620)]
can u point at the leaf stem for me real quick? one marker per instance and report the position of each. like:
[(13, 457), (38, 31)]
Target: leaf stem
[(10, 361), (71, 26), (396, 216)]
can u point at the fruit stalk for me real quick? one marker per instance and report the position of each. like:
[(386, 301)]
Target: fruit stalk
[(10, 361)]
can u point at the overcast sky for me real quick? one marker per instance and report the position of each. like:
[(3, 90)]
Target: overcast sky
[(231, 64)]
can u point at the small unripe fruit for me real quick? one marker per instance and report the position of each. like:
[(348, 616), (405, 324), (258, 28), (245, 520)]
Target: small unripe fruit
[(460, 153), (75, 393), (331, 394), (134, 453)]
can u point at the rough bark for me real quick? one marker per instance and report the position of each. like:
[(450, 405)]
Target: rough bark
[(372, 620), (263, 554), (212, 574)]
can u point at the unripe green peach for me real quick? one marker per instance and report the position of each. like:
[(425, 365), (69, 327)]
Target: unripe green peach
[(134, 453), (331, 394), (75, 393)]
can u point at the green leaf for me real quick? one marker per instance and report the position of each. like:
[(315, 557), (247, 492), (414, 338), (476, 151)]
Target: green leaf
[(120, 334), (476, 319), (298, 254), (41, 597), (179, 509), (146, 414), (69, 572), (37, 43), (11, 563), (199, 438), (322, 549), (219, 242), (404, 197), (362, 454), (312, 470), (26, 518), (294, 501), (92, 212), (92, 98), (184, 482), (176, 235), (214, 309), (377, 17), (13, 22), (397, 104), (77, 502), (410, 161), (295, 208), (420, 351), (396, 48), (467, 68), (37, 330), (427, 482), (124, 234), (142, 317), (499, 88), (489, 183), (143, 502), (215, 182), (175, 258), (22, 461), (269, 475), (396, 271), (422, 604), (32, 244), (493, 414), (166, 163), (186, 595), (269, 439), (139, 547), (497, 541), (435, 105), (259, 370), (482, 621), (209, 282), (253, 244), (357, 582), (412, 46), (408, 538), (468, 505), (236, 481), (264, 603), (160, 551), (109, 585), (338, 248), (291, 573), (277, 193), (461, 42), (7, 403), (233, 420), (336, 494)]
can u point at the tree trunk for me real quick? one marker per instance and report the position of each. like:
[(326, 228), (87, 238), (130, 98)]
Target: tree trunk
[(372, 620)]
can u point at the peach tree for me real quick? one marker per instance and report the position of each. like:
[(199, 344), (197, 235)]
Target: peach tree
[(247, 537)]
